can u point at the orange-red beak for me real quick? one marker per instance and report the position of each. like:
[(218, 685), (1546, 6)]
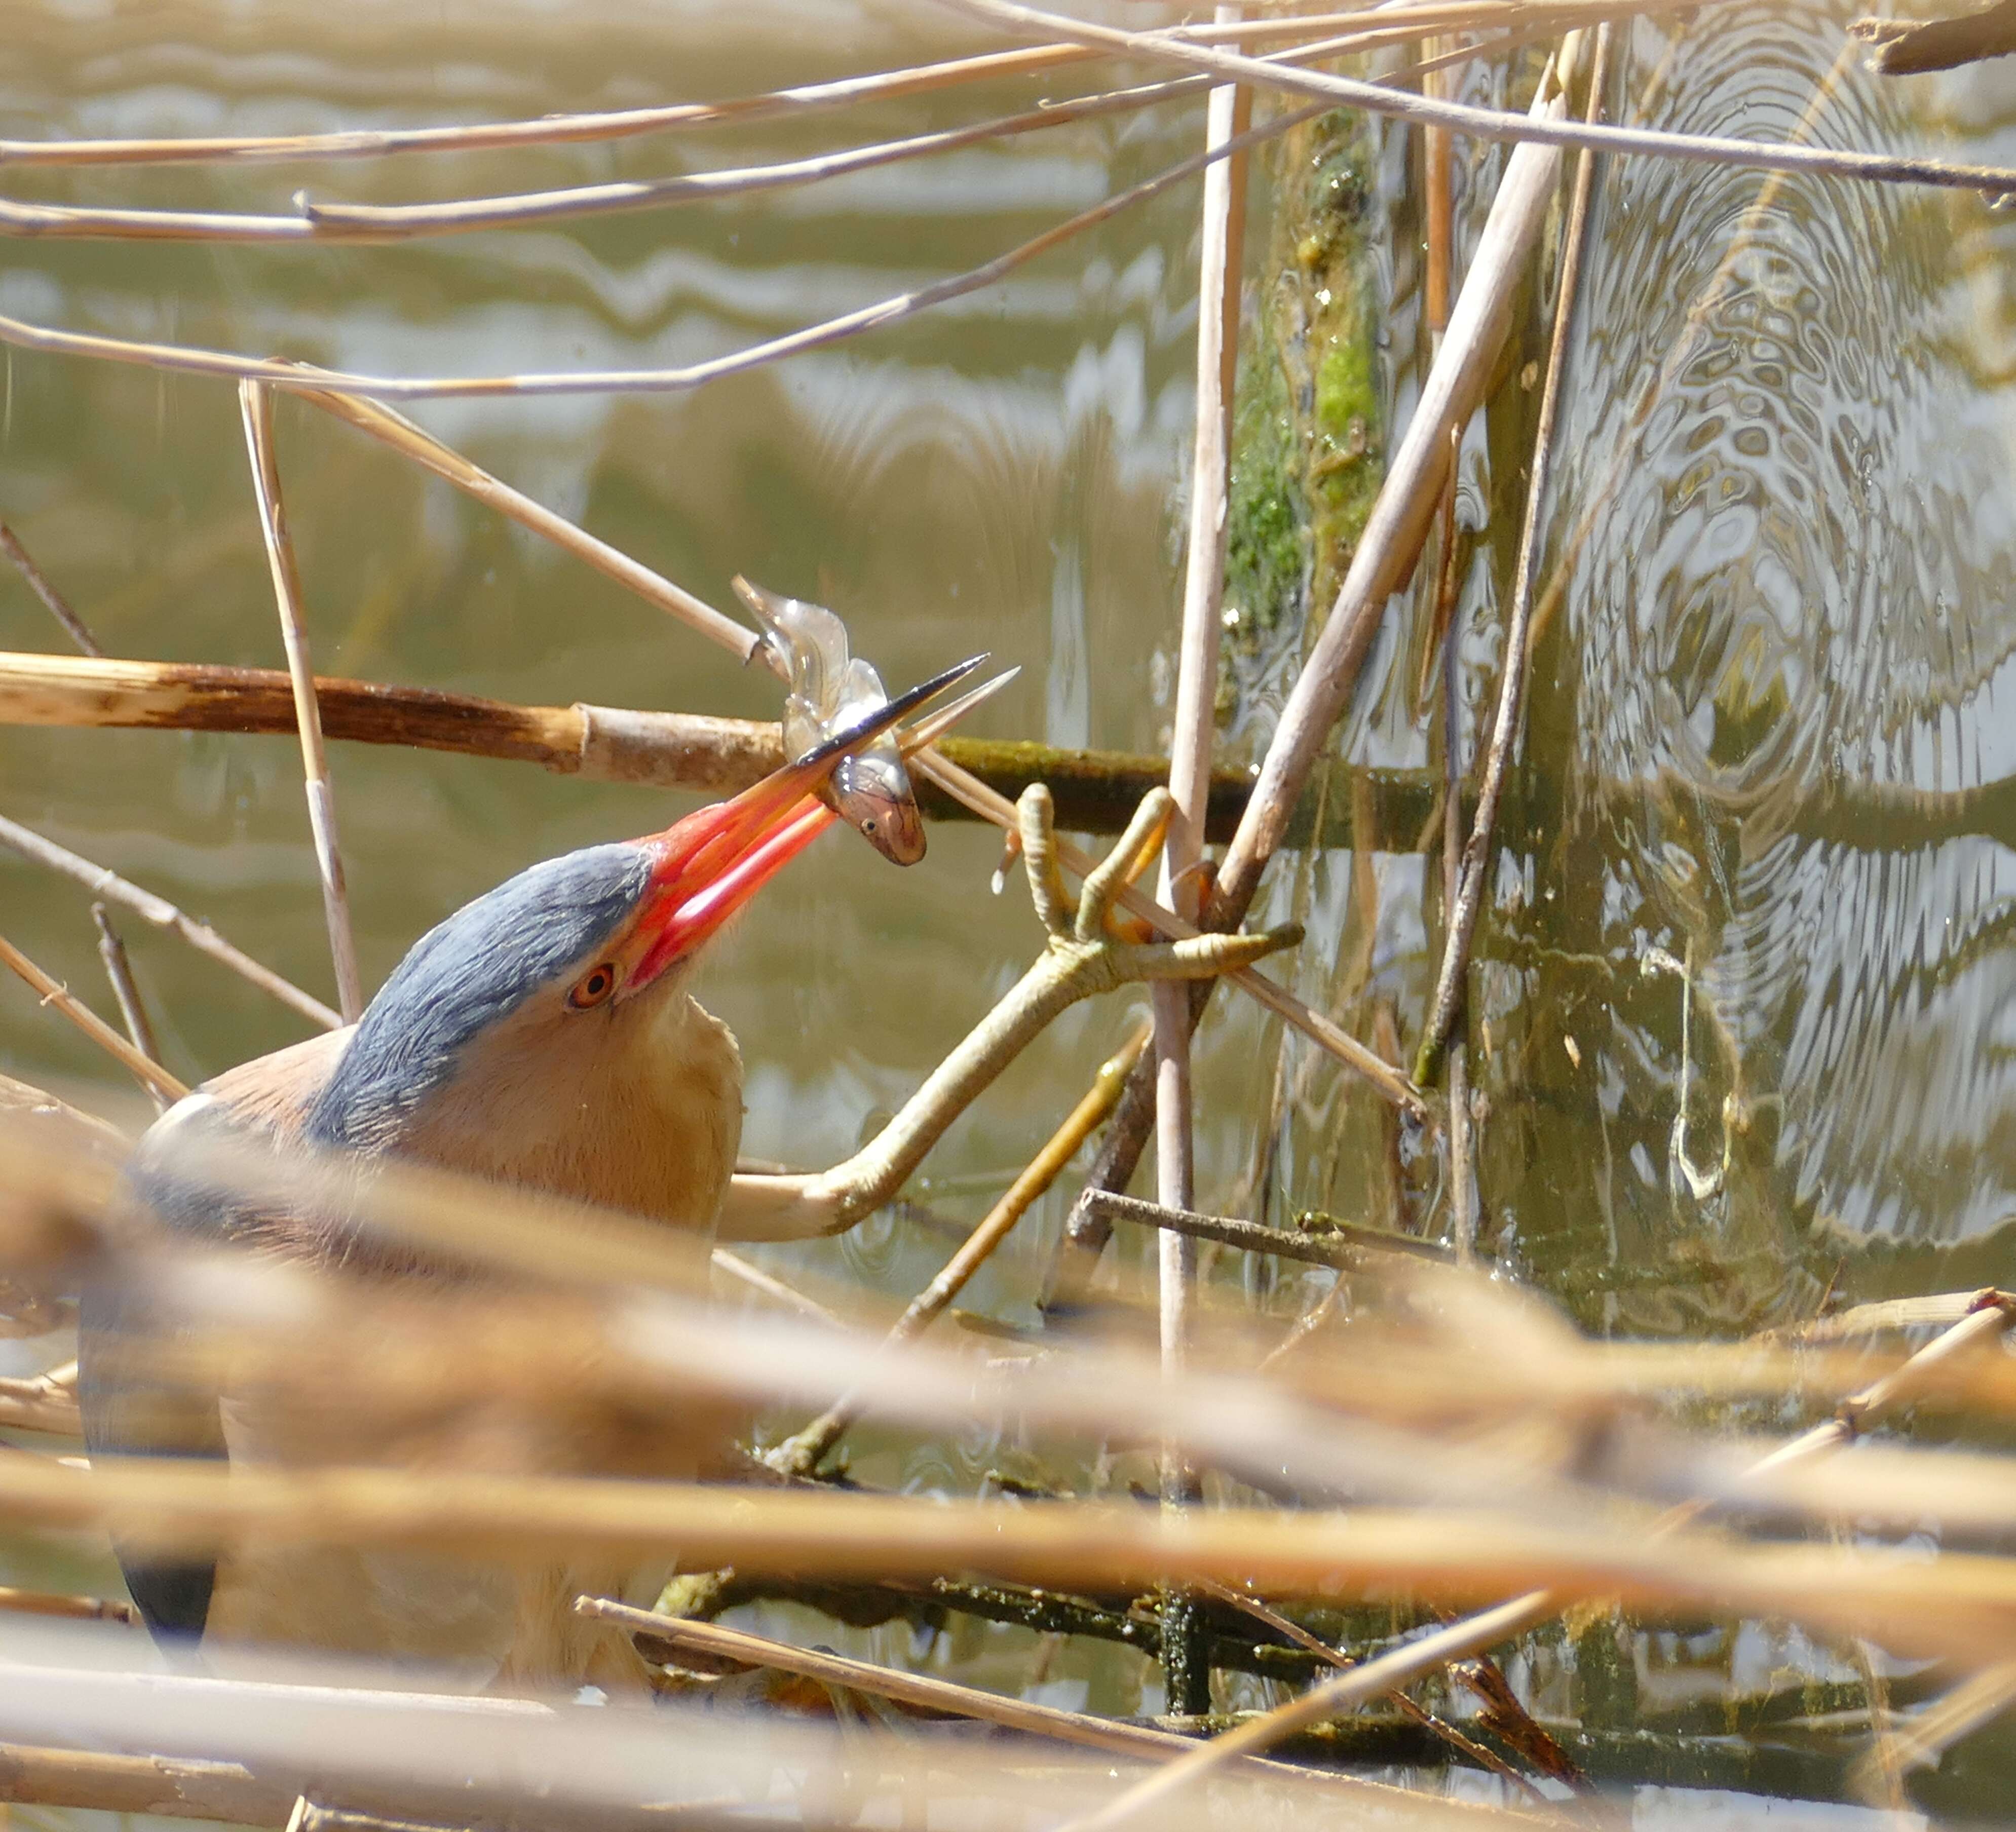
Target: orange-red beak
[(710, 864)]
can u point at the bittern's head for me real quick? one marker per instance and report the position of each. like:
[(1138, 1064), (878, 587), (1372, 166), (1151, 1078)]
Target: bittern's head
[(542, 976)]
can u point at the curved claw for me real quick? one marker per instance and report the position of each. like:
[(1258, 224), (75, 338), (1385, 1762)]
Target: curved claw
[(1130, 852), (1036, 814)]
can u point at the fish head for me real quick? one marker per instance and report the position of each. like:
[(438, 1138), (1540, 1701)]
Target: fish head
[(872, 792)]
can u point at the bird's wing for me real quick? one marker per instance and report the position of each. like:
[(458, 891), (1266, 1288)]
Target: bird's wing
[(128, 1408)]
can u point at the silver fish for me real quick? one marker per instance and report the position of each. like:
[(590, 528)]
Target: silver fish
[(829, 691)]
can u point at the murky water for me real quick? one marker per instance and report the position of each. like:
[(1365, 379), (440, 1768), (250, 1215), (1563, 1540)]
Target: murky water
[(1769, 680)]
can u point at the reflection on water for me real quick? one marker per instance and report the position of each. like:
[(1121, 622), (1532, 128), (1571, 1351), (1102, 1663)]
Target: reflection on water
[(1797, 578)]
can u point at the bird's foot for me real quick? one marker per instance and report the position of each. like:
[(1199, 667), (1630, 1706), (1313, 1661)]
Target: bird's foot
[(1083, 951)]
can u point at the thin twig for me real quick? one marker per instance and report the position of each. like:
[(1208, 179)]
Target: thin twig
[(119, 971), (177, 358), (807, 99), (802, 1453), (1293, 1630), (257, 409), (1473, 1633), (53, 992), (1491, 124), (58, 606), (326, 222), (399, 433), (157, 910), (545, 130), (747, 1273), (1479, 854), (1340, 1244)]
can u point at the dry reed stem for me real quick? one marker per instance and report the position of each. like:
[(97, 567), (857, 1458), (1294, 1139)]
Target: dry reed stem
[(1341, 1245), (1185, 1666), (399, 433), (1479, 856), (1491, 124), (257, 409), (149, 1073), (1960, 1603), (747, 1273), (1385, 555), (926, 1694), (1487, 1629), (802, 1453), (180, 1787), (546, 130), (297, 376), (126, 993), (57, 605), (1400, 517), (326, 222), (101, 882), (1097, 791), (1376, 25), (74, 1609)]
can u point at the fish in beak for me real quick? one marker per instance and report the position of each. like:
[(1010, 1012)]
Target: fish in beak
[(708, 866)]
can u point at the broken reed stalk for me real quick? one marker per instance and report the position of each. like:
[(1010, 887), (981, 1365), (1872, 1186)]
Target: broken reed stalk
[(157, 910), (56, 604), (148, 1073), (1341, 1245), (1186, 1653), (683, 1634), (802, 1453), (132, 1011), (1475, 1633), (1386, 554), (1479, 853), (256, 406)]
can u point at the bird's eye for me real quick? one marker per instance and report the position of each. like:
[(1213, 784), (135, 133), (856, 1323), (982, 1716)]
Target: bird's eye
[(593, 987)]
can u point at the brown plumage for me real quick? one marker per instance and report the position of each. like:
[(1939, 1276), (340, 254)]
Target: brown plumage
[(543, 1036)]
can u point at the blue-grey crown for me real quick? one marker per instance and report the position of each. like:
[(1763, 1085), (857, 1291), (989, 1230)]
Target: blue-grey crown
[(463, 976)]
